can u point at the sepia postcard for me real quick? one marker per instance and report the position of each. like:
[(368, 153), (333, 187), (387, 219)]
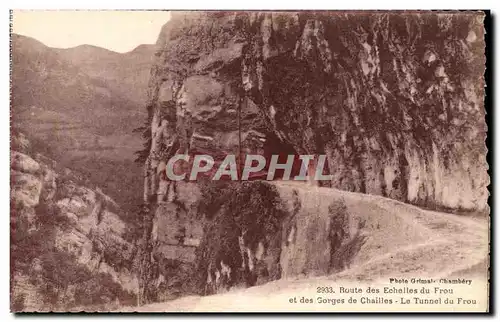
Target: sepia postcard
[(248, 161)]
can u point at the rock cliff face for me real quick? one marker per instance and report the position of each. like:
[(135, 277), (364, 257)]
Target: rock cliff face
[(69, 247), (395, 101)]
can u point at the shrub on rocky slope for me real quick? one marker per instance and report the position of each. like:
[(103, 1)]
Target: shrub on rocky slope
[(68, 247)]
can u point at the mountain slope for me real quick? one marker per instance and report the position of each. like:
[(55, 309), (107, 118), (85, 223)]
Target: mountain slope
[(83, 103), (127, 73), (53, 95)]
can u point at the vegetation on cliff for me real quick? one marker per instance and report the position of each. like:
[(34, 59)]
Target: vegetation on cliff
[(239, 216)]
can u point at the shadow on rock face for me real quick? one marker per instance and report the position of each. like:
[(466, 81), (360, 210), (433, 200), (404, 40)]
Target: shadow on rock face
[(240, 242), (261, 232)]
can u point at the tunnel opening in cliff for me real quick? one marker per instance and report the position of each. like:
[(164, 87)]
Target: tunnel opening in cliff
[(275, 146)]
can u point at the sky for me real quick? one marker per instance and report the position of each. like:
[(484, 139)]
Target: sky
[(120, 31)]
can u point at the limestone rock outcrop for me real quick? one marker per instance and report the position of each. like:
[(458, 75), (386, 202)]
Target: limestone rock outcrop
[(53, 213)]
